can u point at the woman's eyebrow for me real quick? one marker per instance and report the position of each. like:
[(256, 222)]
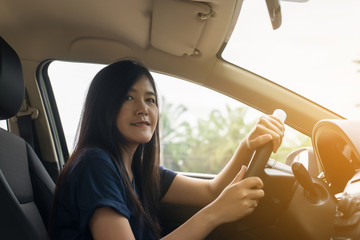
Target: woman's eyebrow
[(150, 93), (146, 93)]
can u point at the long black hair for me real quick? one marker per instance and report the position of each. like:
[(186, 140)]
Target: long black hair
[(98, 128)]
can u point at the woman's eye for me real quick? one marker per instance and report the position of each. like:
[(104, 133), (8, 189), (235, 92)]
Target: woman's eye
[(151, 100), (129, 98)]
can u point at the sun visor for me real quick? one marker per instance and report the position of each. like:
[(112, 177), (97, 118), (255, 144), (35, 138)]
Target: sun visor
[(177, 25), (336, 144)]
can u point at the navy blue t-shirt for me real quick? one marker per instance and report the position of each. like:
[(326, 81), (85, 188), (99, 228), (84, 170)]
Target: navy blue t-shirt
[(95, 183)]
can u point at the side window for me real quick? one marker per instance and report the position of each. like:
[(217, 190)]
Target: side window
[(199, 128), (69, 82), (3, 124)]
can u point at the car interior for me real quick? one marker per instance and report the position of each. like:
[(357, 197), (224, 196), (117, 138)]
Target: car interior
[(312, 194)]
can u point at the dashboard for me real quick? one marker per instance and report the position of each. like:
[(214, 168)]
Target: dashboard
[(336, 145), (318, 197)]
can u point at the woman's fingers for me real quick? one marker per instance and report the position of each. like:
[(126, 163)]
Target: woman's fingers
[(251, 183), (255, 142), (239, 199), (240, 175), (268, 128), (248, 189), (275, 128)]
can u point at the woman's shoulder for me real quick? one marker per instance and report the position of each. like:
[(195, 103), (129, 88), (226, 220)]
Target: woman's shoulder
[(93, 151), (95, 158), (96, 164), (167, 173), (95, 154)]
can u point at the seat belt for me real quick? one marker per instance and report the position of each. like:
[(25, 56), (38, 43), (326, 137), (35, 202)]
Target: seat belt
[(24, 119), (26, 129), (25, 122)]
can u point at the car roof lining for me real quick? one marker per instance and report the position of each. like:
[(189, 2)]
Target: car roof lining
[(126, 22)]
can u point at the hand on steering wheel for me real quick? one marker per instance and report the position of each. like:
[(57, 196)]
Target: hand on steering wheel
[(268, 135)]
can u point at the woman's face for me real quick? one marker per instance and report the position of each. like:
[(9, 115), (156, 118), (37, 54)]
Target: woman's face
[(138, 115)]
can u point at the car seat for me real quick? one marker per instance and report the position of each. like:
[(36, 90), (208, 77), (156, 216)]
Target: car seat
[(26, 189)]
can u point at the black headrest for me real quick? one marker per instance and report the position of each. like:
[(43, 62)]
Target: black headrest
[(12, 87)]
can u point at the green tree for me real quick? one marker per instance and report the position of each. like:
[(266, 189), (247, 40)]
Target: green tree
[(215, 140), (173, 135)]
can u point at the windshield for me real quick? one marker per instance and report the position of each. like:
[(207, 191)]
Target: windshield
[(315, 52)]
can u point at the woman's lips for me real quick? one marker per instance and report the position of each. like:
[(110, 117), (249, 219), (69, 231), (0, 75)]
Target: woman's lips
[(142, 123)]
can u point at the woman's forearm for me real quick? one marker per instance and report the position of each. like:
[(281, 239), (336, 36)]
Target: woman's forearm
[(242, 155), (237, 200), (197, 227), (268, 128)]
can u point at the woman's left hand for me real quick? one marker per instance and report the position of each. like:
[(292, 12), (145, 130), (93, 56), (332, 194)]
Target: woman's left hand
[(268, 128)]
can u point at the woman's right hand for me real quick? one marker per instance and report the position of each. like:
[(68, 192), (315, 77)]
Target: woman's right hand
[(238, 199)]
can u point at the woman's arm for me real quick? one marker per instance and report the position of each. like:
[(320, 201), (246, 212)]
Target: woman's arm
[(237, 200), (108, 224), (268, 128)]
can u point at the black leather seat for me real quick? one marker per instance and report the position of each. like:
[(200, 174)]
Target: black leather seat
[(26, 189)]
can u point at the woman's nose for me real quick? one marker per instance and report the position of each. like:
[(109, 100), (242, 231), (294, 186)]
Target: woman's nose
[(142, 109)]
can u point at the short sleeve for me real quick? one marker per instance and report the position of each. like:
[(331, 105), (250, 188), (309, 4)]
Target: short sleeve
[(166, 178), (98, 184)]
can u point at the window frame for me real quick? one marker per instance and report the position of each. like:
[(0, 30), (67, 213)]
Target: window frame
[(52, 113)]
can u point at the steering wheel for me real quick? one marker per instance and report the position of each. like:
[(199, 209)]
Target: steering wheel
[(258, 162), (266, 211)]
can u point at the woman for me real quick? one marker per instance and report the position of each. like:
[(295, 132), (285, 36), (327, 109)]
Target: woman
[(111, 185)]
